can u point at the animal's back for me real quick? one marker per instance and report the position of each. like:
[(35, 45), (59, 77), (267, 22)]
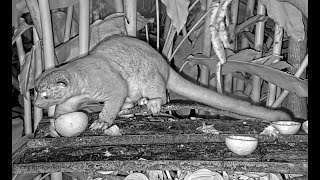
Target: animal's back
[(132, 57)]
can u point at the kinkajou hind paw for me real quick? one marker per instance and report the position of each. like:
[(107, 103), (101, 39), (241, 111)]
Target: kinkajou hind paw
[(154, 105), (98, 124)]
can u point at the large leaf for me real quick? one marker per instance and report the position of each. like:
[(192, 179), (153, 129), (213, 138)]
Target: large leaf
[(58, 19), (302, 5), (98, 31), (26, 77), (287, 16), (22, 28), (274, 76), (178, 12)]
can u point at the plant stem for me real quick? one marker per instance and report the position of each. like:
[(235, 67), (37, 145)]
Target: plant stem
[(259, 35)]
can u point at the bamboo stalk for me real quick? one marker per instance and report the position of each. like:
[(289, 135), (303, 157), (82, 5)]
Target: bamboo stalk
[(244, 41), (33, 7), (299, 72), (277, 45), (38, 112), (84, 27), (234, 17), (48, 48), (68, 24), (26, 102), (206, 50), (158, 25), (258, 43), (130, 9), (118, 5)]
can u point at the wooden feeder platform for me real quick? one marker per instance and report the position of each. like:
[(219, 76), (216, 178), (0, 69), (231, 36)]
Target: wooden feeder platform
[(161, 143)]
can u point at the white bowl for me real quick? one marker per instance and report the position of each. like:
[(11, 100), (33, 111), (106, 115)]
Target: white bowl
[(305, 126), (287, 127), (241, 145)]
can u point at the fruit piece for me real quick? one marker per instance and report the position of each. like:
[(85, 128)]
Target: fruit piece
[(71, 124)]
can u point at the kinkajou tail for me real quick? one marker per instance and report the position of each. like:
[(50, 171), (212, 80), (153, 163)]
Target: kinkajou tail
[(179, 85)]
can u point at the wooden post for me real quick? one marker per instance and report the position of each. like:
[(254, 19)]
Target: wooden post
[(284, 94), (258, 43), (130, 9), (84, 27), (297, 105)]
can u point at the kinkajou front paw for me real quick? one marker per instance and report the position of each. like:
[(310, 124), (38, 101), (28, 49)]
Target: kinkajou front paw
[(52, 129)]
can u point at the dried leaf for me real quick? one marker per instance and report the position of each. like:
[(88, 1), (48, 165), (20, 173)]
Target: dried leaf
[(286, 16), (251, 21), (178, 12), (244, 55), (267, 60), (280, 65)]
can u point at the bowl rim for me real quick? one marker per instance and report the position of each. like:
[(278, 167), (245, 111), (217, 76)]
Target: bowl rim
[(280, 123), (231, 137)]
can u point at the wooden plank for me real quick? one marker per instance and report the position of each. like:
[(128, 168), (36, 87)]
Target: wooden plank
[(150, 139), (141, 165)]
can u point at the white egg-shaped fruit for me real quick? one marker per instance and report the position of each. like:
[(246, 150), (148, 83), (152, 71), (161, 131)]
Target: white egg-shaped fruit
[(71, 124)]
